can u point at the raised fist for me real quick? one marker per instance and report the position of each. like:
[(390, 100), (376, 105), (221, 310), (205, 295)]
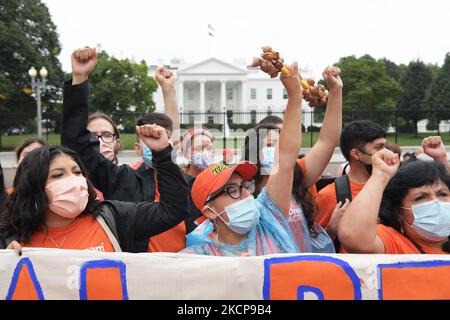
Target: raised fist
[(165, 78), (154, 136), (83, 63), (434, 147), (385, 162)]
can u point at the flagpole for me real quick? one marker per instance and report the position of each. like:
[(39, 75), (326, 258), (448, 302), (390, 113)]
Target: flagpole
[(211, 36)]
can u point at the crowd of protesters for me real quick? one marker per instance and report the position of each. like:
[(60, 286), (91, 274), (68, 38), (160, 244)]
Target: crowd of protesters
[(270, 200)]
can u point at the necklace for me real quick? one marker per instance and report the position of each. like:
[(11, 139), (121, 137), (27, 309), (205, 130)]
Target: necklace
[(54, 242)]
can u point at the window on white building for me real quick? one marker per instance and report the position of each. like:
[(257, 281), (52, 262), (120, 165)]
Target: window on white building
[(229, 94), (269, 94), (285, 94), (253, 93)]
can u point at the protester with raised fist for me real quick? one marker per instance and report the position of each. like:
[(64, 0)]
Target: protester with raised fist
[(54, 204), (402, 210), (122, 182)]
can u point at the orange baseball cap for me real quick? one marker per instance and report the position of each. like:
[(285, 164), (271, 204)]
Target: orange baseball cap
[(215, 177)]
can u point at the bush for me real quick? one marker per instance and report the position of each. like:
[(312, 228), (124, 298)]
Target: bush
[(313, 129)]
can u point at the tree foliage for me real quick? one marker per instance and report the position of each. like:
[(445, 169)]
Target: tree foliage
[(119, 86), (28, 37), (415, 82), (368, 90), (438, 97)]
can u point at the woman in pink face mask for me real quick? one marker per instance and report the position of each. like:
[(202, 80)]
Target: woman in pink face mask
[(54, 205), (104, 128)]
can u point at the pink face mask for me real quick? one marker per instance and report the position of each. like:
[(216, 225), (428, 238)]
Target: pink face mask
[(68, 197), (106, 149)]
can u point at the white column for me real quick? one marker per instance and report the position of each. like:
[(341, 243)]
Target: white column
[(223, 95), (202, 101), (181, 99), (244, 97)]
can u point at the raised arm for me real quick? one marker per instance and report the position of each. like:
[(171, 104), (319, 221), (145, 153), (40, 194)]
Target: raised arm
[(358, 227), (139, 221), (279, 185), (434, 147), (166, 79), (319, 156), (154, 218), (74, 134)]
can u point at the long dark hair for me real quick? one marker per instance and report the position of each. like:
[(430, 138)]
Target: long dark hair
[(25, 212), (412, 174), (253, 144), (251, 151), (304, 198)]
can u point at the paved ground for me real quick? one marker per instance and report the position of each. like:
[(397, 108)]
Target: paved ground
[(7, 159)]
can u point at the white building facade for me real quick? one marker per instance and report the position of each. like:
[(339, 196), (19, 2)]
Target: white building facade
[(207, 89)]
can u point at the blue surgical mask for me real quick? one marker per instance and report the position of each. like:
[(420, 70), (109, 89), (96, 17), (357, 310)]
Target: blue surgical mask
[(243, 215), (268, 158), (147, 155), (432, 220), (202, 160)]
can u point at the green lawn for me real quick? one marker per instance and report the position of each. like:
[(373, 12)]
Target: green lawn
[(9, 143)]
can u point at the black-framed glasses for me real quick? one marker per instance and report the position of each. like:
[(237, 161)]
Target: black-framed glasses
[(106, 137), (235, 190)]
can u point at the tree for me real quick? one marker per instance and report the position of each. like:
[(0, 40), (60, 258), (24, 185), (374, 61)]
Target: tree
[(438, 97), (369, 93), (28, 38), (120, 86), (393, 70), (415, 82)]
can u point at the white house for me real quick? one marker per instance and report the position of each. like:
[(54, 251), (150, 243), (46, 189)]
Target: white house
[(208, 88)]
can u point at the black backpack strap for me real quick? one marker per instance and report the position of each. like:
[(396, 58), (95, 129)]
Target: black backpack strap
[(345, 168), (418, 247), (343, 191)]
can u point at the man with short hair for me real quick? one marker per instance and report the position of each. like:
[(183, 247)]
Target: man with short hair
[(359, 141)]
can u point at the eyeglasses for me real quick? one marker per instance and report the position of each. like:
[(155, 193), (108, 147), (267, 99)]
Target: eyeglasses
[(235, 190), (106, 137)]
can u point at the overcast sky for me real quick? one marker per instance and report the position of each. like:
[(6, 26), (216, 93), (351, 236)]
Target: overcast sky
[(315, 33)]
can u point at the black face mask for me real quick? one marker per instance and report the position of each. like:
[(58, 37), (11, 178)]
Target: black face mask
[(367, 166)]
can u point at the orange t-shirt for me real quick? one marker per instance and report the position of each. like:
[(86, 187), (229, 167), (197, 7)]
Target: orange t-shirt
[(302, 164), (396, 243), (326, 201), (85, 233), (172, 240)]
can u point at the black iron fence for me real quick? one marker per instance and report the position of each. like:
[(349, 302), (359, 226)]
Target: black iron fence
[(228, 127)]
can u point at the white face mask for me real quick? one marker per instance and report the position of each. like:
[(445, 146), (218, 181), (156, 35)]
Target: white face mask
[(202, 160), (431, 220)]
